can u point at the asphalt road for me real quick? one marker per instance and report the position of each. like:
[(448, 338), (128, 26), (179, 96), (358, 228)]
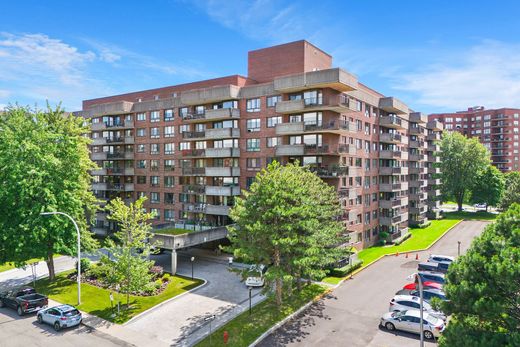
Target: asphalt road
[(350, 315)]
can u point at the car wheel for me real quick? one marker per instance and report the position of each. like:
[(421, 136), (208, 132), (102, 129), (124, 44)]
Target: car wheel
[(428, 335), (57, 326), (19, 310), (40, 319), (389, 326)]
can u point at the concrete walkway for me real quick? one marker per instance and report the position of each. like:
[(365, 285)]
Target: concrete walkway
[(184, 320)]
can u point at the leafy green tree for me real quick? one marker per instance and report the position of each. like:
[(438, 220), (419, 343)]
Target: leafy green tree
[(512, 191), (462, 161), (482, 286), (288, 220), (44, 166), (489, 187), (131, 250)]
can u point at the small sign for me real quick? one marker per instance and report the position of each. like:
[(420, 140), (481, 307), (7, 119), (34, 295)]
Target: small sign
[(111, 297)]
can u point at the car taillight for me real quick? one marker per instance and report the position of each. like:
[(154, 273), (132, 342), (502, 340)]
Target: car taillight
[(26, 304), (63, 318), (391, 303), (439, 327)]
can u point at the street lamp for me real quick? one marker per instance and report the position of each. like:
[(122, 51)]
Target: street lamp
[(458, 249), (250, 289), (417, 279), (192, 260), (79, 248)]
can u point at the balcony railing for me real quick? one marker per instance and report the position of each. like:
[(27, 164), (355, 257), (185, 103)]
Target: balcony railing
[(193, 189)]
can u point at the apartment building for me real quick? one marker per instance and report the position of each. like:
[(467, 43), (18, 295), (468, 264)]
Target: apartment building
[(497, 129), (192, 148)]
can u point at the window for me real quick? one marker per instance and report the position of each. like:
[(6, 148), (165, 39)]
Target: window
[(168, 148), (154, 133), (253, 105), (295, 140), (154, 148), (448, 119), (169, 198), (155, 116), (156, 213), (169, 131), (272, 121), (273, 141), (229, 143), (226, 104), (141, 116), (169, 181), (141, 148), (295, 118), (183, 112), (154, 198), (168, 115), (184, 128), (184, 146), (249, 181), (154, 165), (169, 215), (141, 164), (141, 132), (272, 100), (253, 125), (141, 179), (200, 109), (253, 163), (169, 165), (253, 145), (154, 181)]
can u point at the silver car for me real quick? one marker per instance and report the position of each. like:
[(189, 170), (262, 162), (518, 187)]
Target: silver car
[(63, 316), (409, 302), (409, 320)]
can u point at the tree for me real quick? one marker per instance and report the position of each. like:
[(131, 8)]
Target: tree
[(44, 166), (288, 218), (512, 192), (131, 251), (489, 187), (462, 162), (482, 287)]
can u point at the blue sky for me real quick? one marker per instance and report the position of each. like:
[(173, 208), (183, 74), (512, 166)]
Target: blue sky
[(434, 55)]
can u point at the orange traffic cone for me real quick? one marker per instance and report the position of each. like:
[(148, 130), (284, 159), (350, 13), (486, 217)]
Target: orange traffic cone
[(396, 254), (416, 256)]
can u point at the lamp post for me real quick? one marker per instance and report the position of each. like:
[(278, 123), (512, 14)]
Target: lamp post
[(250, 289), (418, 279), (458, 249), (192, 260), (79, 248)]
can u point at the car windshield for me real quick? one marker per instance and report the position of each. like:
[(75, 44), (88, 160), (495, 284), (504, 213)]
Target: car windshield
[(71, 313), (398, 314), (433, 320)]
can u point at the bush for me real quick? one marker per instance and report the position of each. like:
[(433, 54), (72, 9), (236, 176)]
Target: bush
[(425, 224), (345, 270), (383, 236), (158, 284), (166, 278), (157, 271), (85, 265), (98, 271), (402, 239)]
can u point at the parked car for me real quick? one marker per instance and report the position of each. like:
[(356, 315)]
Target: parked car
[(410, 320), (428, 293), (426, 284), (63, 316), (432, 277), (256, 275), (409, 302), (434, 267), (23, 300), (437, 258), (482, 206)]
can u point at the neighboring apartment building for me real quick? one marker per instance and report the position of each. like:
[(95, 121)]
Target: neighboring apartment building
[(498, 130), (191, 148)]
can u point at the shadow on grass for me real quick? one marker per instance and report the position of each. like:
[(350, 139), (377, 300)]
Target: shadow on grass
[(479, 215)]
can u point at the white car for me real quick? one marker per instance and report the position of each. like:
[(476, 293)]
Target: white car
[(256, 276), (410, 321), (480, 206), (410, 302), (437, 258), (63, 316)]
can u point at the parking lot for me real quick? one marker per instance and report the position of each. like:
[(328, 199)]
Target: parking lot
[(350, 315)]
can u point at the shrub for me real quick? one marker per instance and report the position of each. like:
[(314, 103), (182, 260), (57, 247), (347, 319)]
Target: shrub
[(402, 239), (85, 265), (157, 271), (425, 224), (166, 278), (345, 270), (98, 271), (158, 284), (383, 235)]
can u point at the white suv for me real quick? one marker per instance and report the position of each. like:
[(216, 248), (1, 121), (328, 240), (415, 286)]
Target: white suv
[(437, 258), (409, 302)]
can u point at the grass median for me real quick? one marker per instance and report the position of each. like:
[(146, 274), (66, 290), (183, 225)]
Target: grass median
[(96, 301), (245, 328)]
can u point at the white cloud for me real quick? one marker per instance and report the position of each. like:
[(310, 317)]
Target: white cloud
[(488, 74), (4, 93)]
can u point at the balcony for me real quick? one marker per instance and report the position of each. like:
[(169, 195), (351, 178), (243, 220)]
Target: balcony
[(193, 171), (326, 149), (434, 193), (209, 95), (347, 193), (419, 131), (290, 150), (384, 170), (195, 135), (416, 157), (338, 103), (383, 220), (393, 187), (193, 189), (120, 155), (194, 208), (112, 125), (193, 153), (222, 133), (329, 172), (219, 210), (393, 138), (434, 181), (222, 152), (417, 196), (393, 122), (335, 78), (433, 170), (354, 171), (99, 186), (416, 183), (390, 204), (213, 115), (222, 190), (222, 171), (435, 126), (434, 148), (416, 170), (433, 136), (416, 144), (333, 126), (393, 105), (113, 172), (390, 154), (418, 117)]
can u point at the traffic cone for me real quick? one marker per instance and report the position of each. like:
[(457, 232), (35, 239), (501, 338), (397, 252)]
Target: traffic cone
[(396, 254), (416, 256)]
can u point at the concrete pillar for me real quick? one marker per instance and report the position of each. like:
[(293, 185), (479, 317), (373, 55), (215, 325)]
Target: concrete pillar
[(174, 262)]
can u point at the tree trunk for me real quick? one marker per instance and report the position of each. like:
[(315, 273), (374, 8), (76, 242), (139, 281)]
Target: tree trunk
[(50, 265), (460, 201), (299, 280), (278, 282)]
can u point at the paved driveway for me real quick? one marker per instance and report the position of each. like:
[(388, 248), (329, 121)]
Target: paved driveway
[(181, 320), (350, 315)]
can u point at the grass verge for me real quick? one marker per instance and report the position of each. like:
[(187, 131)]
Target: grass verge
[(245, 328), (96, 300)]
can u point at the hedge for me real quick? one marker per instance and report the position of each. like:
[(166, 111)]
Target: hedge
[(345, 270)]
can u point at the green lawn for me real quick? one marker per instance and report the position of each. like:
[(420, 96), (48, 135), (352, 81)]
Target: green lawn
[(10, 266), (96, 300), (479, 215), (245, 328), (172, 231)]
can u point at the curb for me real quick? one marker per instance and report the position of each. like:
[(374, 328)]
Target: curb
[(288, 318), (166, 301)]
